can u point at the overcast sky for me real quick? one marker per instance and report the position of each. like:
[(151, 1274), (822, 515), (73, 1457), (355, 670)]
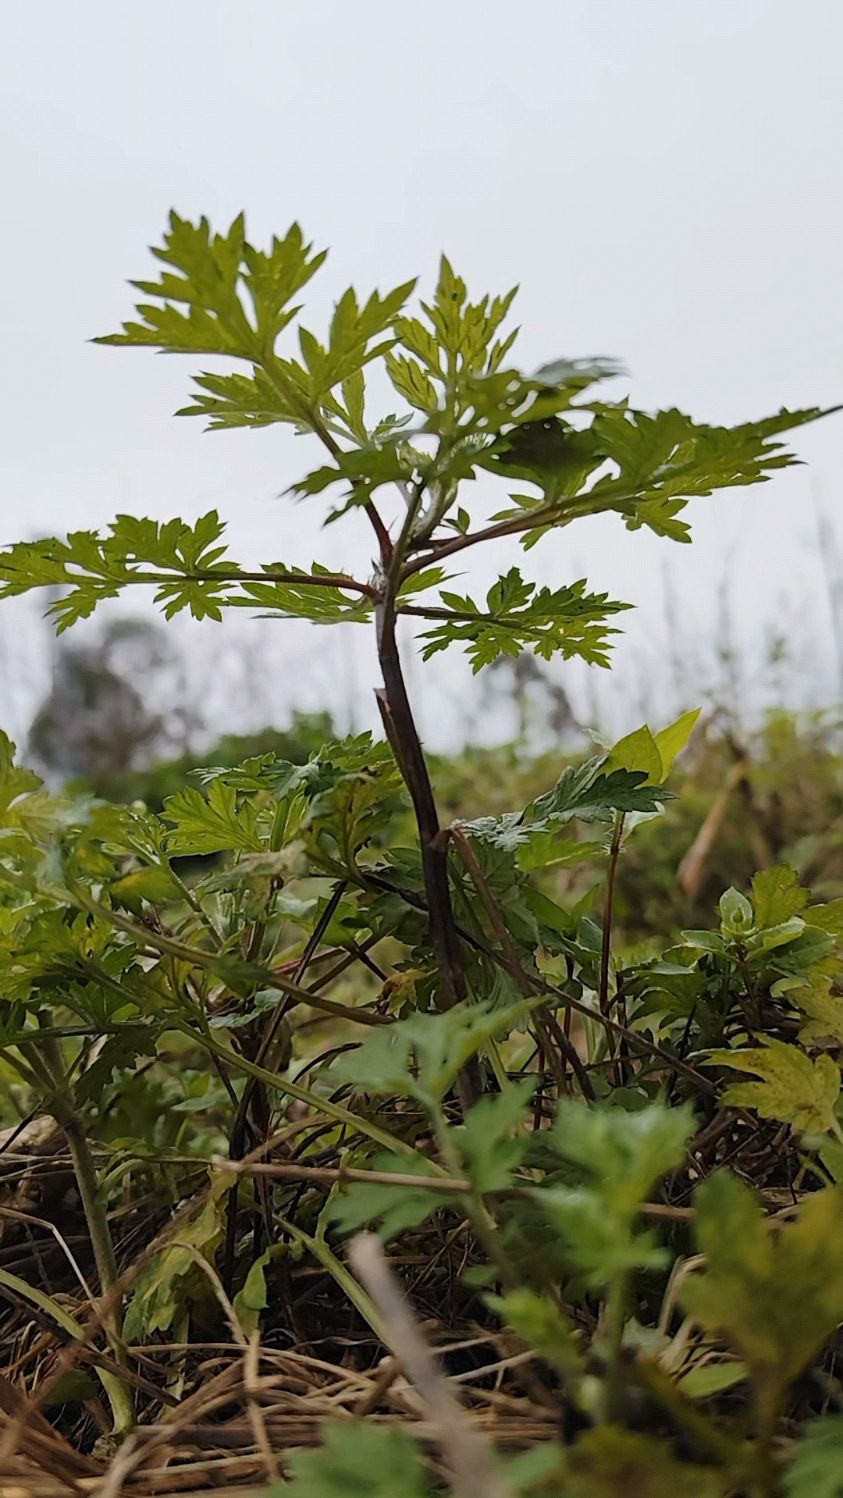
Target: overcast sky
[(662, 178)]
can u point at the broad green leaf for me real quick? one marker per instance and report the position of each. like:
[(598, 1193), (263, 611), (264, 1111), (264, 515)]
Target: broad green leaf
[(792, 1087), (761, 943), (389, 1210), (815, 1465), (708, 1379), (546, 849), (803, 950), (152, 885), (736, 914), (775, 1293), (828, 918)]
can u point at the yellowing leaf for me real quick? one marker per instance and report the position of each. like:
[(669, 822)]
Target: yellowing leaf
[(824, 1010), (829, 918), (653, 753), (637, 751), (672, 740), (777, 895), (792, 1087)]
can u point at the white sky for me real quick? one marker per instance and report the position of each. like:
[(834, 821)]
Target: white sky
[(662, 178)]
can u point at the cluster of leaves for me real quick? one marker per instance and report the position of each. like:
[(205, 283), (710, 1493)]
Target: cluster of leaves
[(219, 295), (105, 951), (538, 1094)]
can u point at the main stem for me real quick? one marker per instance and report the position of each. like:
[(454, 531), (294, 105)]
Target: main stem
[(403, 735)]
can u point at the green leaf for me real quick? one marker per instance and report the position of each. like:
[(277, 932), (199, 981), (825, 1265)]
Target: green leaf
[(610, 1462), (174, 1280), (288, 598), (421, 1056), (567, 622), (350, 343), (625, 1152), (736, 914), (590, 793), (212, 824), (665, 459), (815, 1467), (410, 380), (673, 739), (775, 1293), (238, 400), (708, 1379), (212, 276), (387, 1209), (829, 918), (364, 469), (793, 1088), (14, 780), (181, 562), (620, 1156), (151, 886), (654, 754), (184, 566), (507, 832), (638, 751), (493, 1139), (253, 1298), (647, 467), (541, 1324), (357, 1459)]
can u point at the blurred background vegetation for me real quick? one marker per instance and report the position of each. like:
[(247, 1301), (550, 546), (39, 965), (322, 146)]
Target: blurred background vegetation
[(122, 720)]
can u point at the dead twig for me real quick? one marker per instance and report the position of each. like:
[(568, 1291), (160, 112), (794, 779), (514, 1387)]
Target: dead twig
[(464, 1450)]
